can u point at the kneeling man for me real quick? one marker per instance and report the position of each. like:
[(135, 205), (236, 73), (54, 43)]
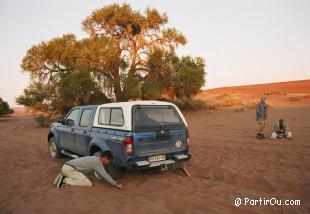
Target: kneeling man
[(72, 171), (281, 130)]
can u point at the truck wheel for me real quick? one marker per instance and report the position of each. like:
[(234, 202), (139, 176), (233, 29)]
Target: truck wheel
[(111, 169), (54, 150)]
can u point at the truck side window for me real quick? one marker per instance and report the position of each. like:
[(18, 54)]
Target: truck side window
[(85, 118), (73, 115), (104, 116), (117, 117), (111, 116)]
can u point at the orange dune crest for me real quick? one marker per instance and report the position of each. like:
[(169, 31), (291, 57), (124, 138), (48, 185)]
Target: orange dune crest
[(280, 94)]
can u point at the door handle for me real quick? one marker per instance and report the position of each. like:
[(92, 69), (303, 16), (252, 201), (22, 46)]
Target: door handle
[(72, 129), (84, 132)]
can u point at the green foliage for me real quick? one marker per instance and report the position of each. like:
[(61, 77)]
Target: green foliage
[(5, 108), (152, 89), (188, 76), (71, 89), (78, 88), (131, 87), (37, 96), (157, 81), (159, 65)]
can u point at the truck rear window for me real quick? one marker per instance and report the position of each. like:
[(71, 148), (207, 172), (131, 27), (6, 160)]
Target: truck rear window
[(155, 118)]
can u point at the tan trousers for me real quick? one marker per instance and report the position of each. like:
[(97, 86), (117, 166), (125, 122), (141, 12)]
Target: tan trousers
[(74, 177)]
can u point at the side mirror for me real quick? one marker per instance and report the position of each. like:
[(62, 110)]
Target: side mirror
[(70, 122), (60, 120)]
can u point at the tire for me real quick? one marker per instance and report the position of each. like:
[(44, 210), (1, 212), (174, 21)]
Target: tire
[(54, 150), (114, 171)]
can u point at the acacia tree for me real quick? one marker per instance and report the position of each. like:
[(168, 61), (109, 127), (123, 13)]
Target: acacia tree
[(132, 36), (128, 54)]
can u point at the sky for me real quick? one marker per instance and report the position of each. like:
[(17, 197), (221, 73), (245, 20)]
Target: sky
[(243, 41)]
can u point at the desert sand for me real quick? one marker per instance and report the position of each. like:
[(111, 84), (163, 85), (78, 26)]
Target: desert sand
[(228, 162)]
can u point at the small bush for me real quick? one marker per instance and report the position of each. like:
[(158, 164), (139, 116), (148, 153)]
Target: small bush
[(43, 120), (198, 104), (187, 104), (183, 104), (239, 109)]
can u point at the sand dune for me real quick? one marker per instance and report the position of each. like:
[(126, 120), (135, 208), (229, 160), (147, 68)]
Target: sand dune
[(299, 86), (228, 162), (292, 94)]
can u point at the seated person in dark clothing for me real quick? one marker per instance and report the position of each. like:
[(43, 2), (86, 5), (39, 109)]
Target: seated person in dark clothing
[(281, 130)]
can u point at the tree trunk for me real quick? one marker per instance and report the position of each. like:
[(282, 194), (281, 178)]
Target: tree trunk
[(119, 95), (132, 69)]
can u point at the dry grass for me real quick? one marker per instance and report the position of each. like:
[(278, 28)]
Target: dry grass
[(275, 92), (269, 105), (251, 105), (210, 105), (298, 97), (294, 98), (229, 100)]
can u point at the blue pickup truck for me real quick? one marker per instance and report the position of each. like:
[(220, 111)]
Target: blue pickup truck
[(139, 134)]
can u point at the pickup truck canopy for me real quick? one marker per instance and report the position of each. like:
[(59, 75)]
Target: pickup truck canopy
[(127, 113)]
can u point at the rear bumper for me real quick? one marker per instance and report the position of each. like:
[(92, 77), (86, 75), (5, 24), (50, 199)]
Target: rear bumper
[(146, 164)]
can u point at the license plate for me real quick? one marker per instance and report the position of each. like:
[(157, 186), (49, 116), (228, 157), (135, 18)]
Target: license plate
[(157, 158)]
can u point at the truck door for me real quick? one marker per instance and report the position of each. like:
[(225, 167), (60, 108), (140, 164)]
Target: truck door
[(67, 129), (82, 131)]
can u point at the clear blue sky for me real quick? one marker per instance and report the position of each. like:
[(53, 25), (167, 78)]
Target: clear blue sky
[(243, 41)]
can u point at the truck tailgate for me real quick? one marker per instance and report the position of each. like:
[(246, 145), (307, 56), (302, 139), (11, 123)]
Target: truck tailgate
[(157, 142)]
